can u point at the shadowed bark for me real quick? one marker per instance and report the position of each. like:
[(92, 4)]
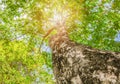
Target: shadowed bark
[(78, 64)]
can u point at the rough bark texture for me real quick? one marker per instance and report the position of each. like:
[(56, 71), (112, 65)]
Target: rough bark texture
[(78, 64)]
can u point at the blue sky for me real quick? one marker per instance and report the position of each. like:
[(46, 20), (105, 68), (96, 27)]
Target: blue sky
[(117, 38)]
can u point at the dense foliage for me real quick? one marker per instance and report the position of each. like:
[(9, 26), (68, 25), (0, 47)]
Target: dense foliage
[(24, 22)]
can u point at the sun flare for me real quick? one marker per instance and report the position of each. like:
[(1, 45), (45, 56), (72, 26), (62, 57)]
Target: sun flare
[(59, 17)]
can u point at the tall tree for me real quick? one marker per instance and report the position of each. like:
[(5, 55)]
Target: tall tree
[(79, 64)]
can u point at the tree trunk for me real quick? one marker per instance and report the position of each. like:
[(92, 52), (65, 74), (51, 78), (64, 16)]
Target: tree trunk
[(78, 64)]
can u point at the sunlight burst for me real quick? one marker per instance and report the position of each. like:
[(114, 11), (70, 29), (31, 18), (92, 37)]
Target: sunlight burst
[(59, 17)]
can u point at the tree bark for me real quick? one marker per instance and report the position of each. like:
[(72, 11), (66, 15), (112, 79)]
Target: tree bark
[(78, 64)]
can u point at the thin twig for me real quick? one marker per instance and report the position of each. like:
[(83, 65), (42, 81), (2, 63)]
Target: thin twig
[(49, 31)]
